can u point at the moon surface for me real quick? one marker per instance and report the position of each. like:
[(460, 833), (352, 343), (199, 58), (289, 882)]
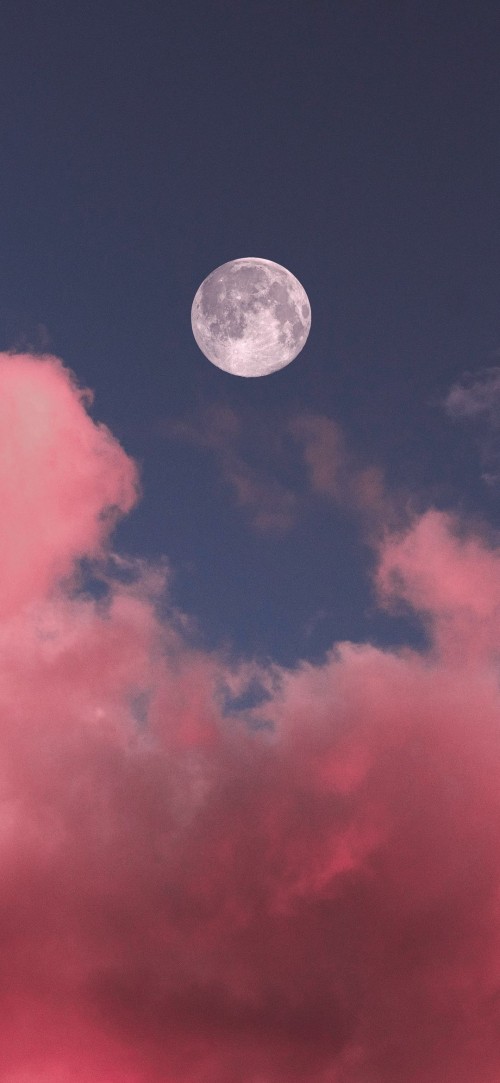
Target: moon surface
[(251, 317)]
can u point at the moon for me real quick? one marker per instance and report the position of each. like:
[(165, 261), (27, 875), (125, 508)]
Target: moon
[(251, 317)]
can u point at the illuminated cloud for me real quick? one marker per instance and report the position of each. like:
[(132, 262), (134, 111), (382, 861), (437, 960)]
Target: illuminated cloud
[(187, 898), (63, 479)]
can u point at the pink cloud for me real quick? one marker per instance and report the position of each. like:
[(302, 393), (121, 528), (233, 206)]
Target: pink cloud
[(333, 472), (324, 452), (309, 440), (271, 506), (451, 578), (193, 901), (63, 478)]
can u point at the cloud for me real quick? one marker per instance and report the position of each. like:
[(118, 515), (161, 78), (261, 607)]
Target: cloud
[(305, 440), (333, 470), (480, 396), (477, 399), (270, 505), (188, 897), (63, 481)]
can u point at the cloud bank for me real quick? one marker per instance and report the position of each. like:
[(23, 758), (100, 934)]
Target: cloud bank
[(185, 898)]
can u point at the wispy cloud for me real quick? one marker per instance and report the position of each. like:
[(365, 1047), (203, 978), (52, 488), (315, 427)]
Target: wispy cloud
[(477, 400), (334, 472), (477, 397), (270, 505), (309, 441)]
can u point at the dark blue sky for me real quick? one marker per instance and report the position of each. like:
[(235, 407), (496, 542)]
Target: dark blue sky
[(144, 144)]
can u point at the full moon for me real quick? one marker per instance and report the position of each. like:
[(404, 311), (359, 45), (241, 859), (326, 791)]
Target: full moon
[(251, 317)]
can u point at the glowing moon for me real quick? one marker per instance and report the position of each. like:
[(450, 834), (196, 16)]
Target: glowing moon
[(251, 317)]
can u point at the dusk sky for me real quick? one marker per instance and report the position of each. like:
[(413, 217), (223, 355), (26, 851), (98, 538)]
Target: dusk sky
[(250, 628)]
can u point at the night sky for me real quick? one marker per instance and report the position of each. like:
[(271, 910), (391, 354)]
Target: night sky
[(249, 628)]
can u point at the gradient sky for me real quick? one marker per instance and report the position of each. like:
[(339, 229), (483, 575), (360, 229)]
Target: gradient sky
[(249, 628)]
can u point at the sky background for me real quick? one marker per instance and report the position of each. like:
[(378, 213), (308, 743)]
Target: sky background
[(357, 145), (249, 691)]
